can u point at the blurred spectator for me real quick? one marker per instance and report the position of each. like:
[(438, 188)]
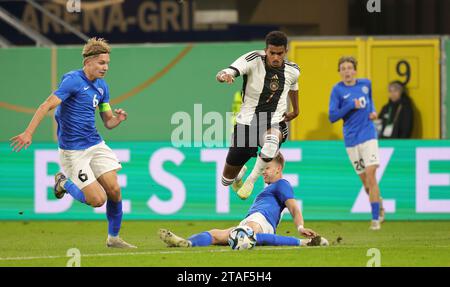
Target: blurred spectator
[(396, 117)]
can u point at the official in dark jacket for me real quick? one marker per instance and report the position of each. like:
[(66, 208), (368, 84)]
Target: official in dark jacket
[(397, 115)]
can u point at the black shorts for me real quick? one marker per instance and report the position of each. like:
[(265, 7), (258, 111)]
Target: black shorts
[(245, 141)]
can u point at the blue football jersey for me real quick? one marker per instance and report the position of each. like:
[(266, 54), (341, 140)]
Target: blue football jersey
[(358, 127), (76, 114), (271, 201)]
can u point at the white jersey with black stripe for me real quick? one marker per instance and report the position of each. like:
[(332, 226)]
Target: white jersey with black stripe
[(265, 89)]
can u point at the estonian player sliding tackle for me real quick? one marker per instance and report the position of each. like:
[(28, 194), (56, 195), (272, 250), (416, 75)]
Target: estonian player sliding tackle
[(263, 217), (268, 80), (91, 166), (351, 100)]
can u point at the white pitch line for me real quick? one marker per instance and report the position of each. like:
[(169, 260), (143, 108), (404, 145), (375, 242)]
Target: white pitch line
[(191, 251), (136, 253)]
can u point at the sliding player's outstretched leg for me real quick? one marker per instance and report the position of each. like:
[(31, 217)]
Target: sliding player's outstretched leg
[(173, 240), (207, 238), (263, 239), (220, 237)]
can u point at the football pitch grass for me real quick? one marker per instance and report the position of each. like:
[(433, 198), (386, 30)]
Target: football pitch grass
[(45, 243)]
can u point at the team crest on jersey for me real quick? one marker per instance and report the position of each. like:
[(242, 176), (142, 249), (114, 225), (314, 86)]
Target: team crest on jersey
[(100, 90), (274, 83), (365, 89)]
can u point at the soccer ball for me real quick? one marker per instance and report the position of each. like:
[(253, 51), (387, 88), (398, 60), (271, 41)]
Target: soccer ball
[(242, 237)]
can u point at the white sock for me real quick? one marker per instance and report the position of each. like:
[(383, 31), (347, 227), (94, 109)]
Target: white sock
[(227, 181), (258, 169), (112, 237)]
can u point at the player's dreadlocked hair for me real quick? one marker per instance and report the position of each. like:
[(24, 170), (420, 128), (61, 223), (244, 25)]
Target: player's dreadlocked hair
[(94, 47), (276, 38), (279, 158), (347, 59)]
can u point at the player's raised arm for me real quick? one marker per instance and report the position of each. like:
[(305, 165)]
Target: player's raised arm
[(226, 75), (239, 67), (24, 139), (110, 120), (297, 216)]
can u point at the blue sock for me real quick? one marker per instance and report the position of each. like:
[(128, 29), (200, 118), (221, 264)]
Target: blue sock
[(73, 190), (114, 215), (375, 210), (276, 240), (201, 239)]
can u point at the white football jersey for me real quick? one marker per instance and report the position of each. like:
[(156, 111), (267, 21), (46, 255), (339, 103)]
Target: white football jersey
[(265, 89)]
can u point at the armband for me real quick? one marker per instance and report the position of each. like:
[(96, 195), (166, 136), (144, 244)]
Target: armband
[(104, 107)]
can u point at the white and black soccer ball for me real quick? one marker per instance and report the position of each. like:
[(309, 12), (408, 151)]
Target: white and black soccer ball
[(241, 238)]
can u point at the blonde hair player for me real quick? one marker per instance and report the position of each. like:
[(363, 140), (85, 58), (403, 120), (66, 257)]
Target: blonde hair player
[(351, 100), (90, 165)]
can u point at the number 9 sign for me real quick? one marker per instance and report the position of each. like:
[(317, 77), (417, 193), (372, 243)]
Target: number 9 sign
[(403, 69)]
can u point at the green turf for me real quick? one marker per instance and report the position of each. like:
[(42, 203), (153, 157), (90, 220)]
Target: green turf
[(424, 243)]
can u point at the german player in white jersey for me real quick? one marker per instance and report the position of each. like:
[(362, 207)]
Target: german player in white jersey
[(268, 81)]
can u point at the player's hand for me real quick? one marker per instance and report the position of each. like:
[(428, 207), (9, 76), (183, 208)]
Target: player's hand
[(121, 114), (224, 77), (373, 116), (307, 232), (287, 117), (20, 141), (357, 104)]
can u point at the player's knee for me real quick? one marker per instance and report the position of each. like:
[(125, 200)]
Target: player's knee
[(371, 181), (270, 147), (114, 193), (217, 236), (97, 201), (97, 198)]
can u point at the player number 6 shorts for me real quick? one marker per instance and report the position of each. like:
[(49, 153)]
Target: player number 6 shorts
[(83, 167)]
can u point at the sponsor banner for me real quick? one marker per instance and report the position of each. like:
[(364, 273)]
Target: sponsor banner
[(160, 181)]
